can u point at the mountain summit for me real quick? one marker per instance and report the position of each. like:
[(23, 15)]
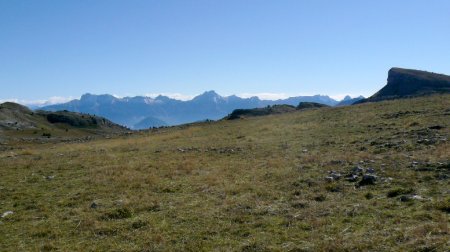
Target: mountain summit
[(402, 83), (208, 96)]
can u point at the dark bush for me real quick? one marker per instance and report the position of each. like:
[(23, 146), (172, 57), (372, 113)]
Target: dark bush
[(399, 191), (120, 213), (46, 135), (71, 119)]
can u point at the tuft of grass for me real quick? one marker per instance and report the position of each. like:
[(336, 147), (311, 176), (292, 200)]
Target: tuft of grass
[(139, 224), (117, 214), (334, 187), (443, 205), (320, 198), (368, 195), (399, 191)]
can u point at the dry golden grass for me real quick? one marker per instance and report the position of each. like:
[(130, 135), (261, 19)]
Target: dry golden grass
[(247, 185)]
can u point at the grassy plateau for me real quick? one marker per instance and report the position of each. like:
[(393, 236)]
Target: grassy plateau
[(369, 177)]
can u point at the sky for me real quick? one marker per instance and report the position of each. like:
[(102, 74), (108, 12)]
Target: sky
[(59, 50)]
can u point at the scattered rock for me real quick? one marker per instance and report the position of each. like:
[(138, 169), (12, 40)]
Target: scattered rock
[(335, 175), (329, 179), (357, 170), (7, 213), (417, 197), (94, 205), (370, 170), (387, 180), (332, 176), (352, 178), (368, 179)]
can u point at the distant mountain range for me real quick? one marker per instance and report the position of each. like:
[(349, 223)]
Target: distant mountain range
[(349, 100), (143, 112)]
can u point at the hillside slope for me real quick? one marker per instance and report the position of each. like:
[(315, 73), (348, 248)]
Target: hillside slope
[(269, 110), (272, 110), (19, 121), (402, 83), (16, 116), (371, 177)]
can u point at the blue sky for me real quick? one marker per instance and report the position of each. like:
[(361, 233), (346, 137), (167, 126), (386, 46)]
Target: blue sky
[(67, 48)]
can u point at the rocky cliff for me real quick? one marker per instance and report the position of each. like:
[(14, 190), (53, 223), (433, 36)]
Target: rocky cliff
[(403, 83)]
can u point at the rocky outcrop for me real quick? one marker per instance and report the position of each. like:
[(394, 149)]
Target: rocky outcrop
[(16, 116), (272, 110), (310, 105), (269, 110), (404, 83)]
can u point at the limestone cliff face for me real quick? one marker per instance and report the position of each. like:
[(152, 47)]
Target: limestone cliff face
[(402, 83)]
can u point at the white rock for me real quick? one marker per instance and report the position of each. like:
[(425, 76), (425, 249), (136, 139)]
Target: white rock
[(417, 197), (7, 213)]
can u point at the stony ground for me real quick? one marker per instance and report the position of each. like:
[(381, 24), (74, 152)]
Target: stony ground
[(366, 177)]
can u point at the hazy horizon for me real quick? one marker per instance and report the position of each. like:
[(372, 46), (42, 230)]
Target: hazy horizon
[(177, 96)]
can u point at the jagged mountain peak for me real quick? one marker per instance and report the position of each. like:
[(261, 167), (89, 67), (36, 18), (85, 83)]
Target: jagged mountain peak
[(88, 97), (208, 95), (163, 98), (347, 97)]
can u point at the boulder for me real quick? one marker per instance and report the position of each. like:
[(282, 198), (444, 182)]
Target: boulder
[(368, 179)]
